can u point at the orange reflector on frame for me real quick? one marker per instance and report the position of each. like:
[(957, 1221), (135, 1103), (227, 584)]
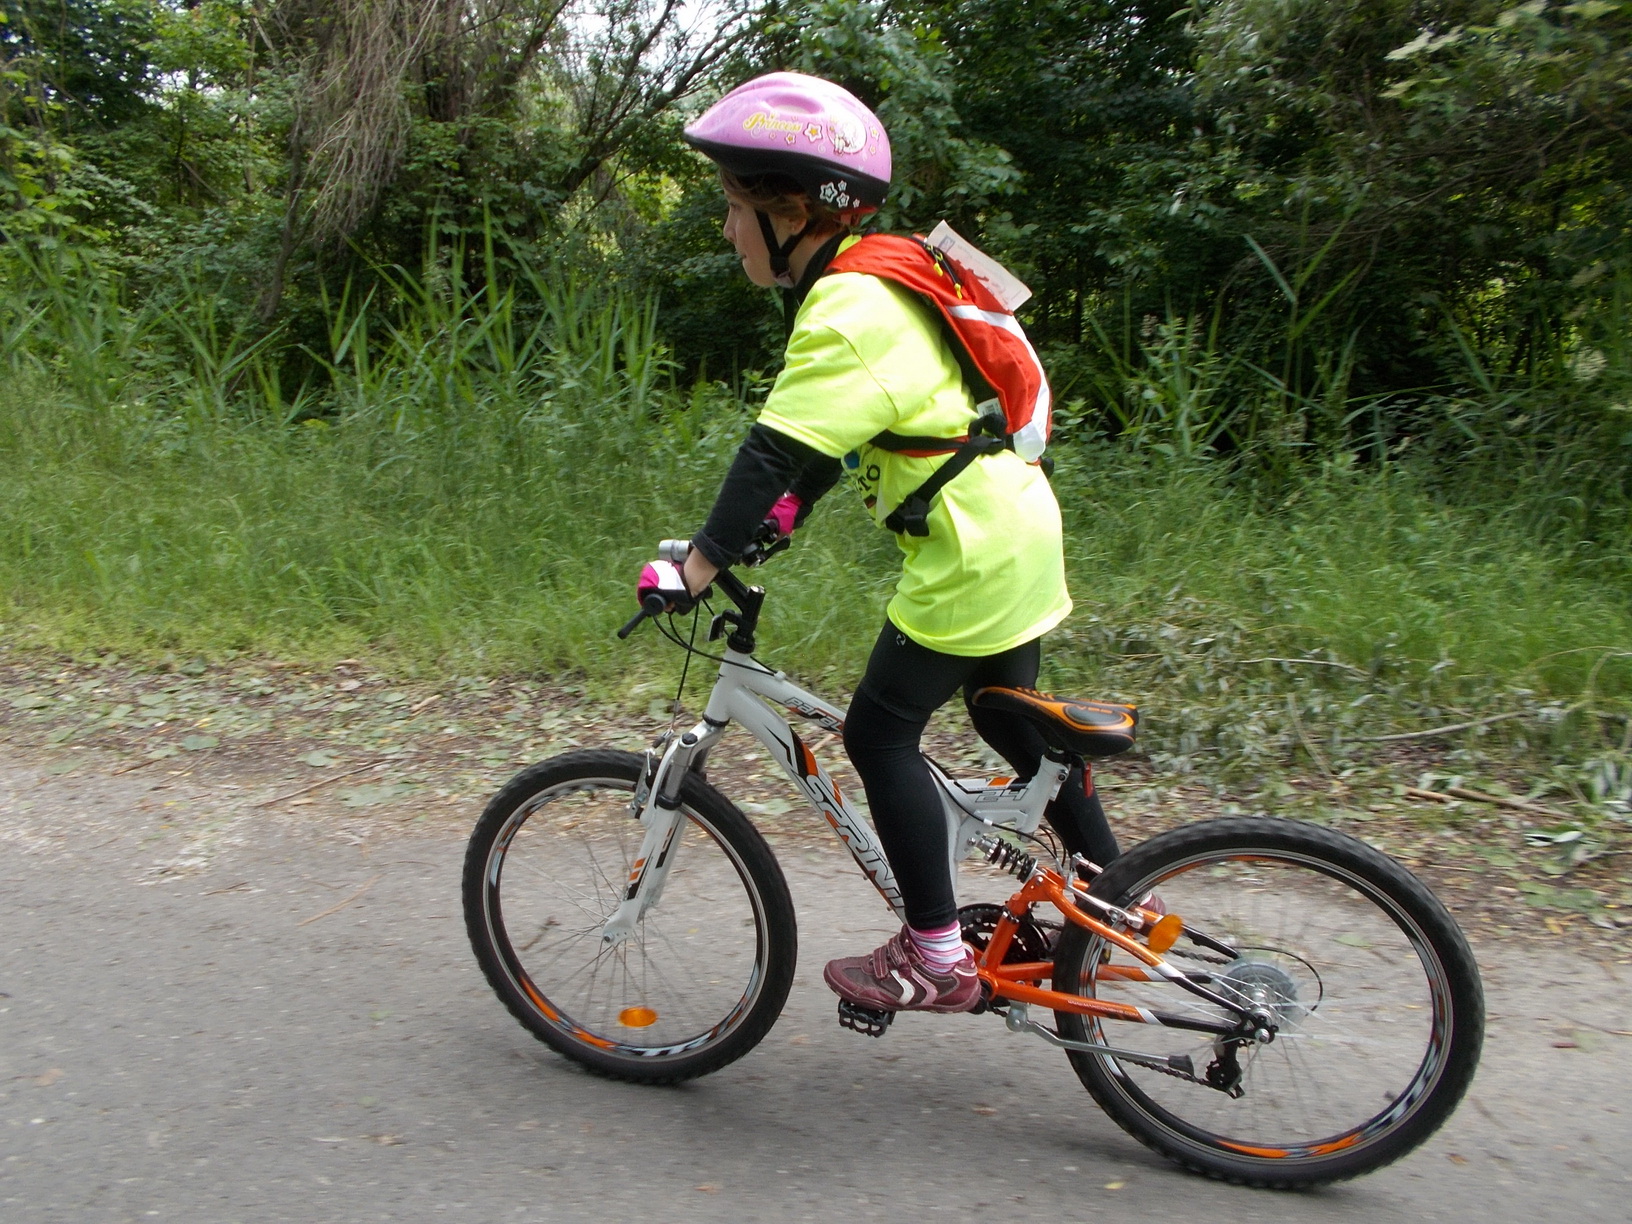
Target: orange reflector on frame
[(1165, 933)]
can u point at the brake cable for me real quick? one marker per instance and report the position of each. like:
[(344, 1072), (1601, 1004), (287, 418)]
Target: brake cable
[(690, 648)]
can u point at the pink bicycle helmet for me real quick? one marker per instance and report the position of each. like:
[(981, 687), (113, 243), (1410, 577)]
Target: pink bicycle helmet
[(815, 132)]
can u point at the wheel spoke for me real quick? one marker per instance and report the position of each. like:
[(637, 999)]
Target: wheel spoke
[(1326, 932), (700, 963)]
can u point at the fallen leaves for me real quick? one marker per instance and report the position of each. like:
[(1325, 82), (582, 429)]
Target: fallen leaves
[(1570, 900), (372, 793), (269, 716)]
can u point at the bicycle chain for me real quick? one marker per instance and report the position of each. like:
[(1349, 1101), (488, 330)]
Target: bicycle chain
[(1189, 1077), (1186, 1076), (1204, 957)]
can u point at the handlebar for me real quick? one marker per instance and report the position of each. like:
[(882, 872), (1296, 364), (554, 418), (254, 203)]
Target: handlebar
[(675, 552), (652, 605), (766, 545)]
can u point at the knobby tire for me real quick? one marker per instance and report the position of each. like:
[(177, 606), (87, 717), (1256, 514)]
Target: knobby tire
[(709, 967), (1372, 985)]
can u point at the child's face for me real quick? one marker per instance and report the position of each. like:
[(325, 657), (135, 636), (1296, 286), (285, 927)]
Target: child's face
[(742, 232)]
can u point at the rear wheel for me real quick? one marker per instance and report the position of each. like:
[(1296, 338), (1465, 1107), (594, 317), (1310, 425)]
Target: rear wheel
[(1371, 987), (709, 965)]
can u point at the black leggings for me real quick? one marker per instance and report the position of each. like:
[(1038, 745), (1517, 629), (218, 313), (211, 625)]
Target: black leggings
[(906, 683)]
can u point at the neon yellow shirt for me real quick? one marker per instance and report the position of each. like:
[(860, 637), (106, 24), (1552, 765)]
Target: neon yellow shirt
[(868, 355)]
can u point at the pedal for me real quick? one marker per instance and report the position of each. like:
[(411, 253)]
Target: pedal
[(864, 1019)]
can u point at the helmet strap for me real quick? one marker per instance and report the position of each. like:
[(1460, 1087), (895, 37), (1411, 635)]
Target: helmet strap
[(777, 250)]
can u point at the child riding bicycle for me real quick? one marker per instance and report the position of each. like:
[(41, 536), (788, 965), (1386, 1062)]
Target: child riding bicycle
[(803, 163)]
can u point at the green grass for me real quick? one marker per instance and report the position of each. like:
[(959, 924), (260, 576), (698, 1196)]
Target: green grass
[(472, 489), (474, 486), (1381, 608), (1365, 567)]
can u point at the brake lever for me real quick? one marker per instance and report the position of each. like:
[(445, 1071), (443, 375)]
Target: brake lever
[(758, 553)]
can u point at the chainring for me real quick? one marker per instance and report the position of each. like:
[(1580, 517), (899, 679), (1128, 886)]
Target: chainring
[(1033, 941)]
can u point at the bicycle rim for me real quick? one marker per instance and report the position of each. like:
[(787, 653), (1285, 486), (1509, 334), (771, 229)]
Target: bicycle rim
[(694, 966), (1361, 997)]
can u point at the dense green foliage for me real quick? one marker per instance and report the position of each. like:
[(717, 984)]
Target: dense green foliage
[(408, 323), (1378, 203), (483, 480)]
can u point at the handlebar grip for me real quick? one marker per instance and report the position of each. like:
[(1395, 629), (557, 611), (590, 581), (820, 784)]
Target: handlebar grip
[(652, 605)]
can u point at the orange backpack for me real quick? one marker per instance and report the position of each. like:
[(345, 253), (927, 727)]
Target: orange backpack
[(991, 348)]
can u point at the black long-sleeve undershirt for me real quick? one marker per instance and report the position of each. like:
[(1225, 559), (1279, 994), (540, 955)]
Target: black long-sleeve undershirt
[(768, 464)]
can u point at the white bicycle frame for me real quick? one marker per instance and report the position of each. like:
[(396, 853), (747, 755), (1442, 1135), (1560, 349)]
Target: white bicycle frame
[(742, 694)]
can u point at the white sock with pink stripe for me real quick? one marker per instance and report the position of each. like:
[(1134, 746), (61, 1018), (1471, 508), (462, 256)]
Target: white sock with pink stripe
[(941, 947)]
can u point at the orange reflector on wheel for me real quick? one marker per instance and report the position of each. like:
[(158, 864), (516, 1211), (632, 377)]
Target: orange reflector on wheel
[(1165, 933), (638, 1017)]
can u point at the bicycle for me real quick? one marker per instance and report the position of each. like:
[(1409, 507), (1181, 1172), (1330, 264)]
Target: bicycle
[(1304, 1011)]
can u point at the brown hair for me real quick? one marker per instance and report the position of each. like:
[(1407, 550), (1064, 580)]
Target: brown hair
[(781, 196)]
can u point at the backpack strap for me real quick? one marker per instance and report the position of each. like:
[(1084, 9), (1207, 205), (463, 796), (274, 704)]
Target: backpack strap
[(985, 437), (988, 433), (923, 446), (911, 517)]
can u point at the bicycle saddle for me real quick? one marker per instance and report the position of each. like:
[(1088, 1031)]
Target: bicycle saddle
[(1086, 728)]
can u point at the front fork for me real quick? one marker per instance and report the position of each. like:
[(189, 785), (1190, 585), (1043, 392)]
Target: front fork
[(657, 805)]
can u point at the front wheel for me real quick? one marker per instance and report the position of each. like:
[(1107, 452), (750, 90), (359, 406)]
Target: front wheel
[(709, 965), (1374, 996)]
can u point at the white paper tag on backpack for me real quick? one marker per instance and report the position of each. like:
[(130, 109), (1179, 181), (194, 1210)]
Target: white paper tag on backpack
[(1006, 287)]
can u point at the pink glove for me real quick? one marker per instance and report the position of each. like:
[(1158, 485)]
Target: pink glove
[(663, 578), (785, 513)]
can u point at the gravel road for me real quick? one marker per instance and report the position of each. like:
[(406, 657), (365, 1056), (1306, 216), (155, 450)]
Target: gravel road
[(215, 1011)]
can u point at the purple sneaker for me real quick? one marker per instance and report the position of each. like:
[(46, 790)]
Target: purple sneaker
[(895, 978)]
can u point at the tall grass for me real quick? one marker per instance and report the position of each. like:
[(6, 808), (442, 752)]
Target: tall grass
[(474, 486), (477, 476), (1360, 599)]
